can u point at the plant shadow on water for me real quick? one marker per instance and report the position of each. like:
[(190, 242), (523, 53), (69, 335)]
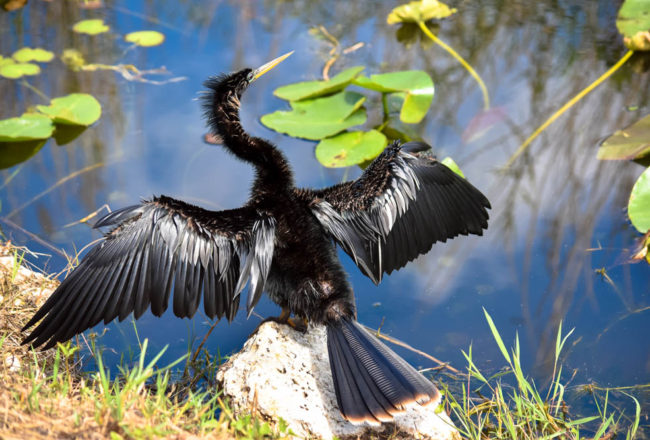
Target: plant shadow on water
[(554, 249)]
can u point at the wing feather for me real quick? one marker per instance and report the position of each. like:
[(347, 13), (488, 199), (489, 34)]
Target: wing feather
[(156, 248), (400, 206)]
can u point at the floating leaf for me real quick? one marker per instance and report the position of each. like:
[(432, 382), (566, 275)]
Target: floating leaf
[(397, 130), (64, 134), (638, 208), (5, 61), (351, 148), (28, 127), (410, 33), (16, 70), (319, 118), (27, 54), (312, 89), (145, 38), (13, 153), (73, 109), (91, 27), (632, 142), (419, 11), (12, 5), (633, 22), (449, 163), (73, 59), (416, 84)]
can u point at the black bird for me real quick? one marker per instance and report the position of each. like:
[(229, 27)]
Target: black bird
[(282, 242)]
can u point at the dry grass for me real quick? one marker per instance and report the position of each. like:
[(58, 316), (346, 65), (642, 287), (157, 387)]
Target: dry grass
[(45, 395)]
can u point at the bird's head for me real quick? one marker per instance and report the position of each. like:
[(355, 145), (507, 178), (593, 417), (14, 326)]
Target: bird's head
[(225, 92), (237, 82)]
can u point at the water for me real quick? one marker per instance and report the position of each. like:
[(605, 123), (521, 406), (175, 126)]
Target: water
[(556, 219)]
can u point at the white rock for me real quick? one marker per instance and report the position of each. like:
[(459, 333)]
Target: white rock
[(12, 363), (282, 373)]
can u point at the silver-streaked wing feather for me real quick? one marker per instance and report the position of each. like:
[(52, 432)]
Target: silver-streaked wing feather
[(400, 206), (158, 249)]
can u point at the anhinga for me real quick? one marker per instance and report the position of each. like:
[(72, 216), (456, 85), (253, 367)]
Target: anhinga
[(282, 242)]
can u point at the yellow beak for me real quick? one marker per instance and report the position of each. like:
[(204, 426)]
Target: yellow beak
[(270, 65)]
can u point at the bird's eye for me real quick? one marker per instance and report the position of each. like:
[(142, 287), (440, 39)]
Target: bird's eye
[(250, 76)]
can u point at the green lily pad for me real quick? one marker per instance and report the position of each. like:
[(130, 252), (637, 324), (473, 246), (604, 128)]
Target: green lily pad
[(638, 208), (5, 61), (410, 33), (13, 153), (64, 134), (417, 86), (16, 70), (73, 109), (27, 54), (91, 27), (449, 163), (633, 22), (419, 11), (351, 148), (320, 117), (312, 89), (145, 38), (632, 142), (28, 127), (73, 58)]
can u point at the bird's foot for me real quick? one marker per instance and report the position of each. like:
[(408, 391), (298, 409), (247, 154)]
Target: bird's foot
[(298, 324)]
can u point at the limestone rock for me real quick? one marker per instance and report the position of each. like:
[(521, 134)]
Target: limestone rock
[(283, 373)]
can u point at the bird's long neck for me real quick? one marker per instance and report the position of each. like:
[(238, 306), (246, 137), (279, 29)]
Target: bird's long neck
[(273, 173)]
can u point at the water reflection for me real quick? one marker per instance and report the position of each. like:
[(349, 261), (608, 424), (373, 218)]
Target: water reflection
[(557, 214)]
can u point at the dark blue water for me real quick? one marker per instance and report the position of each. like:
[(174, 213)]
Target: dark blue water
[(556, 218)]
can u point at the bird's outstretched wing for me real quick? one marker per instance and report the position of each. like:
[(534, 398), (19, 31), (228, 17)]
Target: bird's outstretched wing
[(157, 247), (402, 204)]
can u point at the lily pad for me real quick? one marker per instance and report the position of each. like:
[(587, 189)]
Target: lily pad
[(5, 61), (16, 70), (64, 134), (351, 148), (27, 54), (422, 10), (73, 58), (28, 127), (73, 109), (638, 208), (320, 117), (417, 86), (145, 38), (449, 163), (13, 153), (633, 22), (632, 142), (312, 89), (91, 27)]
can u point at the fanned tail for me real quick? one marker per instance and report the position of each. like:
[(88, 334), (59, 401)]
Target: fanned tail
[(372, 383)]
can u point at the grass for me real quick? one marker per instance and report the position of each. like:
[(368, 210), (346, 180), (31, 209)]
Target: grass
[(508, 405), (47, 395)]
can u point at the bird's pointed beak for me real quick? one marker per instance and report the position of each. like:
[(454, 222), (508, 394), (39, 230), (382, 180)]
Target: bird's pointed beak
[(270, 65)]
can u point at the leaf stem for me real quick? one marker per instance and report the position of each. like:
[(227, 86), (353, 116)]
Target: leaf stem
[(42, 95), (567, 106), (461, 60)]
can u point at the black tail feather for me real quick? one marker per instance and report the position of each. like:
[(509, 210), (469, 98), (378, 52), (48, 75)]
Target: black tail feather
[(371, 382)]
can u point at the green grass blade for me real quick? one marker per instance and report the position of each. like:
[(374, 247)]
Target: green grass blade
[(497, 337)]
